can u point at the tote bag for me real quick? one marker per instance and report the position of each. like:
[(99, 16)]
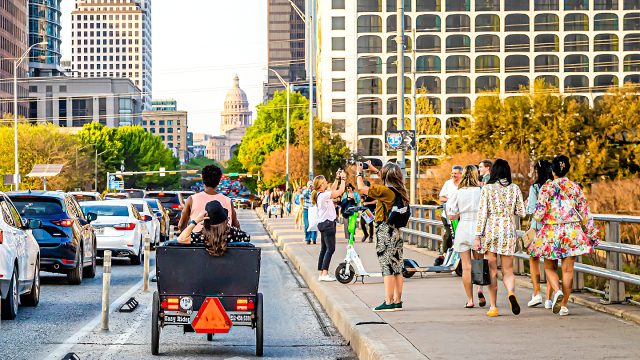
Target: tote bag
[(313, 218), (480, 272)]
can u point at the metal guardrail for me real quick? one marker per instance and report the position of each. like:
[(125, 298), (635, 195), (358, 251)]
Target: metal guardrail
[(425, 228)]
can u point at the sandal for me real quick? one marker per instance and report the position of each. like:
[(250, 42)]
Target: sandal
[(513, 301), (481, 300), (467, 306)]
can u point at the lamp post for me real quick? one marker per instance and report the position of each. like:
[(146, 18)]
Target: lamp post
[(16, 63), (288, 87)]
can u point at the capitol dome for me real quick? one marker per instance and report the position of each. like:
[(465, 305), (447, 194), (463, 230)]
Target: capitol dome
[(236, 100)]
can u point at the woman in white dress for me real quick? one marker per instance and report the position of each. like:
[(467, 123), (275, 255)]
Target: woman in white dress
[(463, 205)]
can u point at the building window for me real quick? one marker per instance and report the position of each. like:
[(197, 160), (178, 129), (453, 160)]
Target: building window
[(632, 42), (428, 64), (428, 23), (369, 126), (487, 23), (161, 130), (458, 23), (428, 43), (516, 5), (337, 4), (576, 22), (458, 85), (605, 42), (169, 122), (576, 63), (632, 4), (431, 84), (372, 85), (632, 22), (338, 105), (369, 23), (546, 5), (370, 147), (457, 5), (458, 43), (337, 43), (458, 63), (576, 43), (337, 64), (458, 105), (428, 5), (605, 63), (576, 4), (338, 125), (369, 5), (516, 83), (487, 43), (337, 23), (546, 43), (338, 85), (487, 64), (487, 83), (391, 23), (547, 63), (605, 4), (369, 106), (606, 22), (369, 44), (392, 64), (488, 5), (516, 63), (546, 22), (369, 65)]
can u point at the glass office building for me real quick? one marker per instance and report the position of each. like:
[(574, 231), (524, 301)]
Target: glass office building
[(44, 25)]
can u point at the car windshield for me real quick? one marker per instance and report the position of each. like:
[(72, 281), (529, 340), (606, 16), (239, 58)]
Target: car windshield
[(135, 194), (106, 210), (139, 207), (116, 196), (83, 197), (165, 198), (153, 203), (37, 206)]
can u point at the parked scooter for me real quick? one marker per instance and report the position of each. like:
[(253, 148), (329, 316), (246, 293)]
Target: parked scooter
[(352, 266)]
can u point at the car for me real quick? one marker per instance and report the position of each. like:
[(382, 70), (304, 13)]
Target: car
[(186, 193), (66, 238), (172, 200), (163, 216), (135, 193), (119, 227), (151, 222), (86, 196), (116, 196), (19, 260), (241, 202)]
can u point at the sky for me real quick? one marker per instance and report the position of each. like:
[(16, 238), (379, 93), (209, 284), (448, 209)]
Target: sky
[(197, 47)]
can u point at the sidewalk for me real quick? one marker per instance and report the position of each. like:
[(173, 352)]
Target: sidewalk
[(434, 324)]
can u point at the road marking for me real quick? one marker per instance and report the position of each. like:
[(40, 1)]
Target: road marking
[(72, 340), (122, 339)]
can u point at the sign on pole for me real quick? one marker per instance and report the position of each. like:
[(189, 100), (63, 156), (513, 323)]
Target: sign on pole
[(402, 140), (162, 170)]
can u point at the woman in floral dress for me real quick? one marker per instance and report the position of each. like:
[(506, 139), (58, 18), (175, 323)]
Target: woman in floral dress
[(500, 202), (567, 230)]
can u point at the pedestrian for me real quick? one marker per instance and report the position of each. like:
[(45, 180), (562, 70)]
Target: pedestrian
[(483, 170), (388, 240), (297, 207), (567, 231), (448, 190), (542, 173), (288, 199), (323, 196), (265, 201), (463, 206), (309, 236), (370, 204), (500, 202), (349, 198)]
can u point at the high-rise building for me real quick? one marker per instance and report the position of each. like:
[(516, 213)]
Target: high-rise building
[(286, 45), (44, 25), (166, 121), (13, 43), (458, 49), (113, 39)]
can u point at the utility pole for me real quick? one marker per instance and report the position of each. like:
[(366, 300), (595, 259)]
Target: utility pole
[(310, 18), (414, 106), (400, 74)]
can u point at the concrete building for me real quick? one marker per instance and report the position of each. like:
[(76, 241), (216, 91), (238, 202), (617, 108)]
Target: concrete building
[(13, 43), (113, 39), (457, 49), (286, 45), (44, 25), (236, 117), (166, 121), (73, 102)]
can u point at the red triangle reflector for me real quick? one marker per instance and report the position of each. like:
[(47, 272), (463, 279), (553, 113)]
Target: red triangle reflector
[(211, 318)]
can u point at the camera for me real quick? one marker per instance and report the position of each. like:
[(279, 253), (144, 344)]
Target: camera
[(355, 159)]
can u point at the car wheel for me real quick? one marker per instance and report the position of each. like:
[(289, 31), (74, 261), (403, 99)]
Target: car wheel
[(74, 276), (10, 304), (90, 272), (33, 297), (137, 259)]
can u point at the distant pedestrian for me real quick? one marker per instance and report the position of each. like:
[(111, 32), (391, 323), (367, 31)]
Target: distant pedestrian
[(323, 196), (288, 199), (349, 198), (297, 207), (483, 170), (463, 206), (369, 203), (500, 202), (567, 231), (542, 173), (448, 190), (388, 241), (309, 236), (265, 201)]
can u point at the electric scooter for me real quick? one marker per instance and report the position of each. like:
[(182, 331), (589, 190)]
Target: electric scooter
[(352, 266), (449, 262)]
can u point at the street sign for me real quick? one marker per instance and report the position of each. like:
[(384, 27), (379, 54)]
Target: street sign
[(400, 140), (162, 171), (233, 174)]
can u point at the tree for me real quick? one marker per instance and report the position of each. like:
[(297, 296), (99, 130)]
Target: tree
[(275, 173)]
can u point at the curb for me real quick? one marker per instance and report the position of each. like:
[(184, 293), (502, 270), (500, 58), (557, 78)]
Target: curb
[(367, 334)]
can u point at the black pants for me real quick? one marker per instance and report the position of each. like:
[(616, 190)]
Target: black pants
[(364, 225), (328, 244)]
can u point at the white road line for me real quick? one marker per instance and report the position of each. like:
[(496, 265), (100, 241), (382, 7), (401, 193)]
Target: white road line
[(72, 340)]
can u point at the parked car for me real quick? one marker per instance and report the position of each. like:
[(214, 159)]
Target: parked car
[(116, 196), (148, 216), (135, 193), (119, 227), (66, 238), (86, 196), (172, 200), (241, 202), (162, 215), (19, 260)]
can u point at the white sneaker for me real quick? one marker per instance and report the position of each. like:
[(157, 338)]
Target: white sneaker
[(327, 278), (535, 301), (548, 304), (557, 299), (563, 311)]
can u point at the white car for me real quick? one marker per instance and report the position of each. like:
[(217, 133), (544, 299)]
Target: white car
[(150, 220), (19, 260), (119, 227), (86, 196)]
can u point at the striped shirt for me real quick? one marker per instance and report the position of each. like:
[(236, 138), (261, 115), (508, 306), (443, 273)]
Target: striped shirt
[(307, 199)]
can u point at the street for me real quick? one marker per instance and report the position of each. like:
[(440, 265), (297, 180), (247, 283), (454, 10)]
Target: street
[(67, 319)]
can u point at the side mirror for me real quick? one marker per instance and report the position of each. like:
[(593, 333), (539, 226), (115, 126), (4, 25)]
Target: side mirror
[(91, 217), (33, 224)]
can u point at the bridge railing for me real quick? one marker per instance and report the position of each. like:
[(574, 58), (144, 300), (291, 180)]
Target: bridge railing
[(425, 230)]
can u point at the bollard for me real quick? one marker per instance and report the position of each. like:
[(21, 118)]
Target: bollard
[(106, 284), (147, 251)]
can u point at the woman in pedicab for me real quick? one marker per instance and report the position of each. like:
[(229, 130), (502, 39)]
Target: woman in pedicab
[(216, 232)]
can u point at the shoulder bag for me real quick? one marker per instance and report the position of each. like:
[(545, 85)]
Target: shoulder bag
[(480, 272)]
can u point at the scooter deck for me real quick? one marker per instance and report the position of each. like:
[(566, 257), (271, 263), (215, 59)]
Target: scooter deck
[(431, 269)]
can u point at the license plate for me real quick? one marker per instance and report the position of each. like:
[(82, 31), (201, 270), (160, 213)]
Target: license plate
[(240, 318), (176, 319), (99, 231)]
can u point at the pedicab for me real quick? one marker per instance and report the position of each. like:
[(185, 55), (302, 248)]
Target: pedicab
[(207, 294)]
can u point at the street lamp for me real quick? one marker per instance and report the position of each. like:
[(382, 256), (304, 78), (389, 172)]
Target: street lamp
[(16, 63), (288, 87)]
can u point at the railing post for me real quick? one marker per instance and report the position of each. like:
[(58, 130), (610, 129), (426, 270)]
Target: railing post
[(423, 228), (518, 266), (434, 230), (616, 291), (578, 278)]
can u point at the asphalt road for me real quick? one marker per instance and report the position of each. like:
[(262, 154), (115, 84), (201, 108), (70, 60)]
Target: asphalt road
[(67, 319)]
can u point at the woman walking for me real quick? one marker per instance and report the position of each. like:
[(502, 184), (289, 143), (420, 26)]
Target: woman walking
[(297, 207), (567, 230), (323, 196), (542, 172), (349, 198), (500, 202), (369, 203), (265, 201), (463, 206), (388, 240)]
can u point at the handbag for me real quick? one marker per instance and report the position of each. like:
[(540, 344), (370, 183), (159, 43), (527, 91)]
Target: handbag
[(312, 215), (528, 237), (480, 272)]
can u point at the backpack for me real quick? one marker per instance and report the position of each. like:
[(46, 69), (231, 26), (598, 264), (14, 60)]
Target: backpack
[(400, 213)]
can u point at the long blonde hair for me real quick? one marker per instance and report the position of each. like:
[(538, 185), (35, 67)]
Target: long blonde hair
[(392, 177), (469, 177), (317, 182), (215, 237)]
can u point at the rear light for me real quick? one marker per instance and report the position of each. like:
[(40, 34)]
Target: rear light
[(1, 237), (244, 304), (172, 303), (129, 226), (146, 218), (63, 223), (68, 262), (176, 206)]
